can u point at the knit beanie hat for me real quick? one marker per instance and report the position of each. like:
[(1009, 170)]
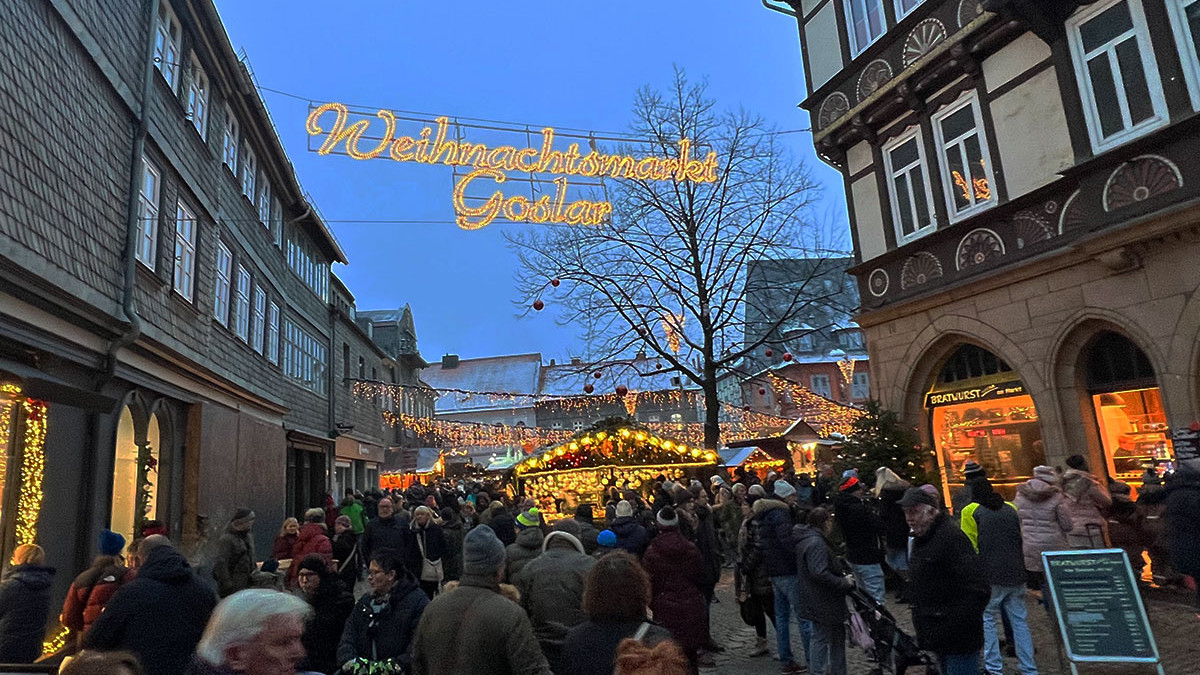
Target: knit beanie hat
[(667, 518), (111, 543), (624, 509), (607, 538), (529, 518), (569, 526), (972, 470), (483, 553), (757, 490), (313, 562), (242, 516), (344, 521), (314, 515), (1046, 473), (852, 483), (784, 489), (680, 495), (849, 473)]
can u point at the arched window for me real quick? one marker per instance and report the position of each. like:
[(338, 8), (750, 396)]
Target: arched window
[(135, 476)]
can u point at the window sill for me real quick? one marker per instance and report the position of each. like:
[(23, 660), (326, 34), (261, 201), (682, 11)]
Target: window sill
[(151, 276)]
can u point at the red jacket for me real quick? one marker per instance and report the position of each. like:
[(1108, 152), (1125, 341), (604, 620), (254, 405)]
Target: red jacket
[(284, 545), (90, 592), (312, 539)]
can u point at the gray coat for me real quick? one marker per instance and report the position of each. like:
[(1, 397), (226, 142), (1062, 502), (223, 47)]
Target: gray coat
[(1085, 499), (820, 585), (518, 554), (1045, 520), (551, 587), (233, 563)]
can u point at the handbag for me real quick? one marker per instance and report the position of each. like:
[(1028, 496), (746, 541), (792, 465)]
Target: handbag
[(860, 633), (431, 570)]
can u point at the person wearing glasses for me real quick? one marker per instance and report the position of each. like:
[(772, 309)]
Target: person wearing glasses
[(383, 621)]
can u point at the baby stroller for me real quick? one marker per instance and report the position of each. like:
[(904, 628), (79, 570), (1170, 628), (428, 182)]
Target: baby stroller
[(873, 628)]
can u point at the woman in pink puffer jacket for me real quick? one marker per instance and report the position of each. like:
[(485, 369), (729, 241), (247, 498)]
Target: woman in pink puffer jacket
[(1045, 518), (1086, 500)]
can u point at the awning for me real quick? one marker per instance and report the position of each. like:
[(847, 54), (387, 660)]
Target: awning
[(731, 457), (39, 385)]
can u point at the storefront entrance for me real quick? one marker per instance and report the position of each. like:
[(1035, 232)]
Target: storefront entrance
[(979, 411), (1128, 409)]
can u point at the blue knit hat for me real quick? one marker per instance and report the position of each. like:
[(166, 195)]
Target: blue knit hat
[(111, 543), (607, 538)]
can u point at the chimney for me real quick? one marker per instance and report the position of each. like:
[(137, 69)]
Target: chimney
[(449, 361), (552, 363), (576, 360), (641, 354)]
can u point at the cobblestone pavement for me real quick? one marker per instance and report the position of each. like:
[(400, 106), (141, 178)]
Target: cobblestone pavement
[(1175, 625)]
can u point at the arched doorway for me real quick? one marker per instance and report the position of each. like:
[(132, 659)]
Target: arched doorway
[(1127, 405), (980, 411)]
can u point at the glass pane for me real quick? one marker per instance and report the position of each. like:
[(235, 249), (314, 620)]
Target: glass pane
[(979, 182), (1108, 107), (875, 16), (1192, 12), (905, 154), (152, 477), (1106, 26), (958, 123), (918, 190), (958, 178), (1137, 92), (124, 494), (904, 206)]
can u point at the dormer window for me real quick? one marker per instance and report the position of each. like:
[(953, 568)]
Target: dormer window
[(865, 23)]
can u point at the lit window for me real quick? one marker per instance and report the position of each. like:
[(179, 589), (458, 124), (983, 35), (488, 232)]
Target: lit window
[(264, 201), (241, 305), (578, 425), (962, 149), (820, 385), (903, 7), (249, 172), (258, 327), (866, 23), (1117, 73), (231, 141), (1185, 20), (197, 103), (676, 418), (273, 333), (148, 214), (166, 44), (223, 285), (185, 251), (908, 186)]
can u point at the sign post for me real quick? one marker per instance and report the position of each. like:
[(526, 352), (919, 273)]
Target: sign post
[(1099, 610)]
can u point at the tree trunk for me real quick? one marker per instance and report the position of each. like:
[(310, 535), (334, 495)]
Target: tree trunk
[(712, 408)]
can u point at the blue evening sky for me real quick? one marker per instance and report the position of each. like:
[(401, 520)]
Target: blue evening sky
[(564, 64)]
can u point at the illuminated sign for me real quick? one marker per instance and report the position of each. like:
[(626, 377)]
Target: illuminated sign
[(974, 394), (493, 164)]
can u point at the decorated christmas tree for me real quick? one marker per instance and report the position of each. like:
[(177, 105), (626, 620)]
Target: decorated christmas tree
[(878, 439)]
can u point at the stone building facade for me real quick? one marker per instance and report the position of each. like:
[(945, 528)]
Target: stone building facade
[(1022, 184)]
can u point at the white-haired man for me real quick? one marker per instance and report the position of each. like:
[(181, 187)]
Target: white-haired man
[(253, 632)]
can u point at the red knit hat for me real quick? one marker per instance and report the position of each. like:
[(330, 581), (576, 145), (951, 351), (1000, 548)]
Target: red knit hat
[(852, 483)]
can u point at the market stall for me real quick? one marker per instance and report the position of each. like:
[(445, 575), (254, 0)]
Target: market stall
[(613, 453), (753, 459)]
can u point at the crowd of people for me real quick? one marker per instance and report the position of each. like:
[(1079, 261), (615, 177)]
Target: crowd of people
[(464, 578)]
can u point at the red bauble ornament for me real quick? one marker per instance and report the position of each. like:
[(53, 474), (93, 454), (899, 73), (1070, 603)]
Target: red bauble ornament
[(538, 305), (746, 408), (554, 283), (622, 390), (770, 353), (787, 356), (588, 388), (641, 331), (762, 392), (596, 374)]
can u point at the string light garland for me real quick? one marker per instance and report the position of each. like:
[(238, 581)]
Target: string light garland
[(672, 325), (846, 365), (33, 466), (830, 417)]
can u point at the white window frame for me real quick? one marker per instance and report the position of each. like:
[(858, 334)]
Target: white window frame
[(944, 145), (892, 172), (249, 162), (1188, 54), (147, 249), (241, 305), (901, 12), (168, 44), (828, 389), (272, 345), (304, 358), (258, 321), (232, 140), (264, 200), (185, 251), (224, 284), (860, 386), (1149, 64), (277, 221), (847, 5), (198, 98)]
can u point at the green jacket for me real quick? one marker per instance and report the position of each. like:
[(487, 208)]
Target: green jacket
[(354, 511)]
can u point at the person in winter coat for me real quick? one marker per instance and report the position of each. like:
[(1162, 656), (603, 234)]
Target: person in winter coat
[(502, 524), (632, 536), (1182, 497), (353, 509), (95, 586), (527, 546), (331, 510), (861, 529), (233, 563), (889, 489), (159, 615), (1085, 499), (1045, 520), (776, 517), (677, 574), (1125, 526), (311, 540), (383, 622), (587, 527), (426, 550), (285, 541), (728, 511), (998, 538), (253, 632), (452, 529), (606, 542), (949, 588), (821, 587), (388, 531), (24, 605), (551, 587), (475, 628), (1152, 513), (752, 585), (346, 551), (331, 602), (616, 595)]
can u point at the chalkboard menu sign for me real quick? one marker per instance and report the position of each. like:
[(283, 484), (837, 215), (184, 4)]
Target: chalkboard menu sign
[(1100, 611)]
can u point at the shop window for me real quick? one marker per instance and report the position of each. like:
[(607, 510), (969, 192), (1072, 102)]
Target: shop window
[(132, 473), (1128, 408)]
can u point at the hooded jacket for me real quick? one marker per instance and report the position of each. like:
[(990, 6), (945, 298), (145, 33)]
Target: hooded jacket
[(1182, 498), (949, 590), (631, 535), (312, 539), (1045, 520), (331, 605), (677, 573), (519, 553), (233, 564), (159, 615), (861, 529), (1085, 500), (387, 634), (820, 584), (24, 609), (774, 521), (551, 587), (91, 590)]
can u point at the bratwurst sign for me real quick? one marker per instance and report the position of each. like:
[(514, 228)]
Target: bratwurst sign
[(485, 164)]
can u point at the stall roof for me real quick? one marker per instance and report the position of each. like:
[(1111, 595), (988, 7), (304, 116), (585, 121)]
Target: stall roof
[(735, 456), (427, 459)]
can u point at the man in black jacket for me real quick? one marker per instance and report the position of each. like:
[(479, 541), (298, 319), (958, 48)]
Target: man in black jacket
[(774, 519), (821, 590), (949, 588), (861, 529), (387, 531), (160, 615)]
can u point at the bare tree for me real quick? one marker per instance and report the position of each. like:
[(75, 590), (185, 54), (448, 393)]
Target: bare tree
[(670, 274)]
